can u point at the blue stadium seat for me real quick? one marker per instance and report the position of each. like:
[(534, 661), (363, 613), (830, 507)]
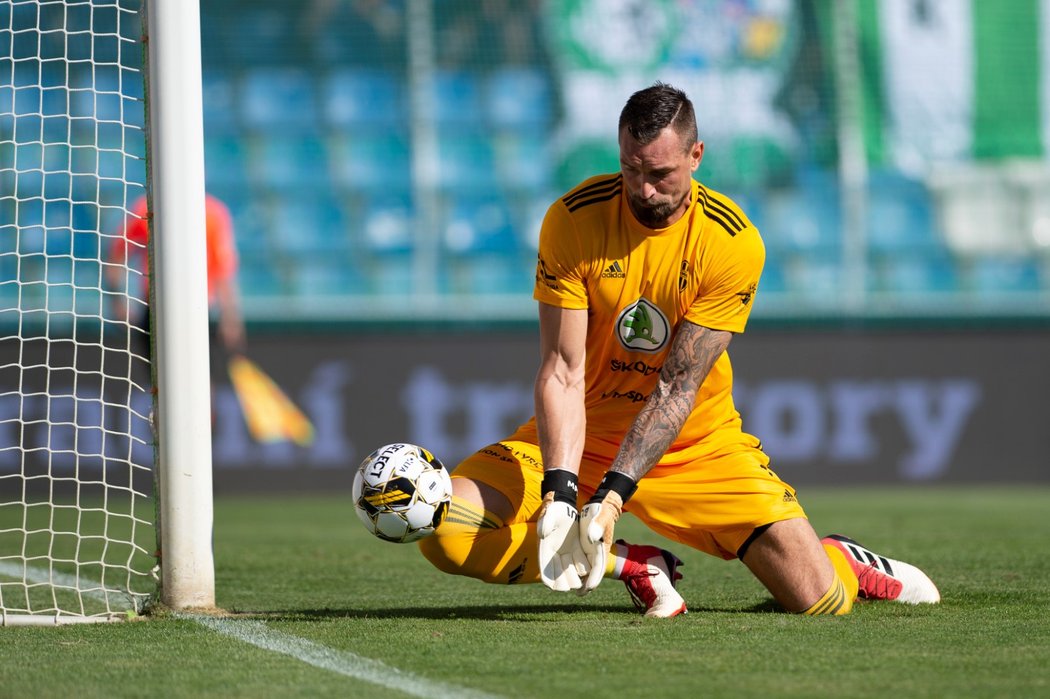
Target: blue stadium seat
[(108, 93), (354, 98), (326, 276), (815, 277), (491, 274), (900, 214), (523, 160), (371, 162), (478, 225), (259, 277), (465, 161), (390, 274), (250, 215), (289, 162), (805, 219), (220, 102), (457, 99), (278, 99), (58, 183), (916, 272), (308, 224), (387, 225), (518, 97), (59, 269), (225, 162), (998, 275), (262, 35), (774, 279)]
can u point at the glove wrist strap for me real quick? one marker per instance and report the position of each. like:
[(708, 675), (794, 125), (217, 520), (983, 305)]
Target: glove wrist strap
[(562, 483), (619, 483)]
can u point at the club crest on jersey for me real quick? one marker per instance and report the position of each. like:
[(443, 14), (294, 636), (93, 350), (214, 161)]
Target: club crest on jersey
[(642, 327)]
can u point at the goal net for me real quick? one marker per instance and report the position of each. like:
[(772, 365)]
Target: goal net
[(77, 508)]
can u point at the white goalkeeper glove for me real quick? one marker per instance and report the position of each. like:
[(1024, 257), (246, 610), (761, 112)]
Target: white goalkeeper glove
[(562, 561), (597, 521)]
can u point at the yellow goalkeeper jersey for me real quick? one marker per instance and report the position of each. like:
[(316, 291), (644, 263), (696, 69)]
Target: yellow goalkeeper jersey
[(638, 285)]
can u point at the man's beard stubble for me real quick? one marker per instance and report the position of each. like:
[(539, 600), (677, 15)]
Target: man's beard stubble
[(653, 216)]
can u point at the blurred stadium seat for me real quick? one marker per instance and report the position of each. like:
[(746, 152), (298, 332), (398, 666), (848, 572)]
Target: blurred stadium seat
[(518, 97), (357, 97), (324, 276), (387, 224), (307, 223), (220, 103), (991, 275), (225, 161), (774, 280), (465, 161), (900, 217), (276, 100), (817, 278), (490, 273), (261, 34), (915, 272), (457, 99), (260, 276), (289, 162), (523, 160), (371, 163), (479, 225), (807, 220)]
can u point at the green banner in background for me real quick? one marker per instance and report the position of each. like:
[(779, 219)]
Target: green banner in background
[(733, 59)]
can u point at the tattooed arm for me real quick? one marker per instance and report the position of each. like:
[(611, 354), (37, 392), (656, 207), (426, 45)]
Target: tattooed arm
[(693, 353)]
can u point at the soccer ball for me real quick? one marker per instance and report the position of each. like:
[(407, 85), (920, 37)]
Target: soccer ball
[(401, 492)]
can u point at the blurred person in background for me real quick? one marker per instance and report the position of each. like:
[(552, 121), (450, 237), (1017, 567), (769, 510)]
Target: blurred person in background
[(128, 252), (643, 278)]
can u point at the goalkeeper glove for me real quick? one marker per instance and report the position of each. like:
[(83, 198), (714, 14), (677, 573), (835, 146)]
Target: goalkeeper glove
[(562, 561), (597, 520)]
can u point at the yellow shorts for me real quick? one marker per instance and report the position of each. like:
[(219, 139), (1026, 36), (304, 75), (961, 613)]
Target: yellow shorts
[(713, 505)]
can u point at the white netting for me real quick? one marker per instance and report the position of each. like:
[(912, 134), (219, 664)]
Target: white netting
[(76, 457)]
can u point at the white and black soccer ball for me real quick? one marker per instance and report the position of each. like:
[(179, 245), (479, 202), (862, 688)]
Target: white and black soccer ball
[(401, 492)]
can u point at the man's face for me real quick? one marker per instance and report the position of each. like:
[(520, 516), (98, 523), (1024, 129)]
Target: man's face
[(657, 176)]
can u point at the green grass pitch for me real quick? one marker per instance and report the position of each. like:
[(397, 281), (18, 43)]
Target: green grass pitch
[(314, 601)]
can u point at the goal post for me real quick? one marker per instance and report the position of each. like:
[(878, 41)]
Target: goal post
[(180, 301), (105, 481)]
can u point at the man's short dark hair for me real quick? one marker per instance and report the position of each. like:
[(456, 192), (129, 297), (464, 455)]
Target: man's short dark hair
[(650, 111)]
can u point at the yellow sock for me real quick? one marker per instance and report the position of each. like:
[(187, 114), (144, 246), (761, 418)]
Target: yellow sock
[(835, 601), (844, 570), (839, 598)]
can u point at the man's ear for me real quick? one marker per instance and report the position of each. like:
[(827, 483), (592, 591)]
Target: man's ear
[(696, 155)]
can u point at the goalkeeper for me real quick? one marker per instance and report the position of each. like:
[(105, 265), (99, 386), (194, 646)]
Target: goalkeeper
[(643, 278)]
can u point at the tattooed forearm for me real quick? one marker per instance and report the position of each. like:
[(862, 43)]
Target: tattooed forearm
[(692, 355)]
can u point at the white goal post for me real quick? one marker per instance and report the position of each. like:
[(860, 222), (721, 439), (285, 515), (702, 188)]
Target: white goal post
[(105, 456)]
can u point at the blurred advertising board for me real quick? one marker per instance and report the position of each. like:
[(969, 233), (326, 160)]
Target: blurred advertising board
[(831, 406)]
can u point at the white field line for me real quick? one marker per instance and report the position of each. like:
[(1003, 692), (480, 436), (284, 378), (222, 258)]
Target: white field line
[(339, 661), (260, 635)]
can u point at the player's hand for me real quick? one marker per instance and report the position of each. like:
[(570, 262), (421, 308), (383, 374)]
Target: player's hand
[(562, 561), (597, 520)]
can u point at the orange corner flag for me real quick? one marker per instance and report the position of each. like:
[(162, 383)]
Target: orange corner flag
[(268, 413)]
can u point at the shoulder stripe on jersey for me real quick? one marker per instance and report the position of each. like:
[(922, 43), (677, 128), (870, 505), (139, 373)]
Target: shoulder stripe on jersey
[(714, 213), (596, 199), (598, 187), (723, 207)]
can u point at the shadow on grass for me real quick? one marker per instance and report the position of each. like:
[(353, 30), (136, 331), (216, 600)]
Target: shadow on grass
[(519, 612)]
